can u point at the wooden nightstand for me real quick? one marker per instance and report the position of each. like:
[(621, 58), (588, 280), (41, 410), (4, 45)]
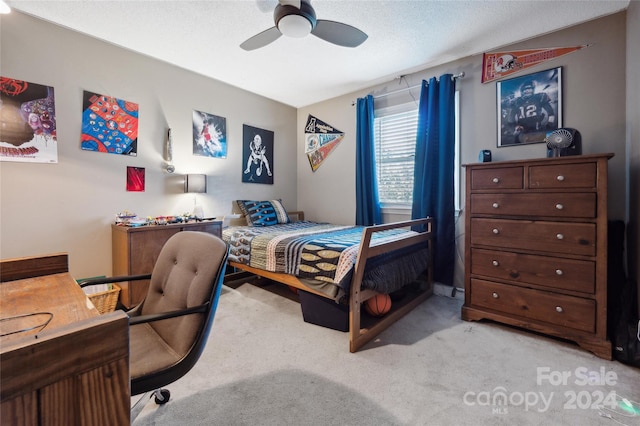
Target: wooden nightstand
[(136, 249)]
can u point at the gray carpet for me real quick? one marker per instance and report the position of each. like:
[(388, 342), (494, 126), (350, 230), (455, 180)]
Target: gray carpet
[(264, 365)]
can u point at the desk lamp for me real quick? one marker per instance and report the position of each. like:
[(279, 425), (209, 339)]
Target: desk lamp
[(196, 184)]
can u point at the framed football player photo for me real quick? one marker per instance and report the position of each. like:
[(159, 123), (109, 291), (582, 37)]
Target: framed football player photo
[(529, 107)]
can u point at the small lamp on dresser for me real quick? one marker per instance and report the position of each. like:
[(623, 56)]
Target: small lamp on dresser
[(196, 184)]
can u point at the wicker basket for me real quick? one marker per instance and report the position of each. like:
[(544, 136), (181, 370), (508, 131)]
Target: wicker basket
[(105, 301)]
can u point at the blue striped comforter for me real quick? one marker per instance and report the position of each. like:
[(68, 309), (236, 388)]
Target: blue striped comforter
[(318, 251)]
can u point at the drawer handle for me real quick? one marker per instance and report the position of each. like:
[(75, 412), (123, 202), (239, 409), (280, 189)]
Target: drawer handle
[(559, 272), (560, 178), (495, 263), (496, 231), (559, 309), (495, 295), (559, 236), (495, 205), (495, 180), (559, 206)]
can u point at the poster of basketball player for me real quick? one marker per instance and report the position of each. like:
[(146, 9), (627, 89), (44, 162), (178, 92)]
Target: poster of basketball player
[(257, 155), (529, 107), (209, 135), (27, 122)]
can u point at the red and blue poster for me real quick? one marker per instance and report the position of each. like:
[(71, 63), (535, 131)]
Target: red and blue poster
[(27, 122), (109, 125)]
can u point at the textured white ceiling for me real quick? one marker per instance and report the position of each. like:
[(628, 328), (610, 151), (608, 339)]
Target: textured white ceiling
[(404, 36)]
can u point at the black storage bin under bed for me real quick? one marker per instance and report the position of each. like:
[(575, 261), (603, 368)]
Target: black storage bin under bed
[(325, 312)]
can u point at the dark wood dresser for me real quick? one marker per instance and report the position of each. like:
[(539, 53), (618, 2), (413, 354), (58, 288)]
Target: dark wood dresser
[(536, 247), (136, 249)]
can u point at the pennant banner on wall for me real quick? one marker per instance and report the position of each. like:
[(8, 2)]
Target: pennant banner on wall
[(320, 139), (500, 64)]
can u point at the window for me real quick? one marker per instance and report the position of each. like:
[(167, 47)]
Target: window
[(395, 131), (395, 143)]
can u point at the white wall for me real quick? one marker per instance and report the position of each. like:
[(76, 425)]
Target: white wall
[(328, 194), (594, 103), (69, 206)]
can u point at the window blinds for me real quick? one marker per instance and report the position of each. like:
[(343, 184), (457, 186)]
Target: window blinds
[(395, 139)]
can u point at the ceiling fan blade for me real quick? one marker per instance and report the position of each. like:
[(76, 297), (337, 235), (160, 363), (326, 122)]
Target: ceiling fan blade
[(339, 33), (262, 39)]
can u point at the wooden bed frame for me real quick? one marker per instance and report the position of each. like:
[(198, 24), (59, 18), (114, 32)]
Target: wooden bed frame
[(359, 336)]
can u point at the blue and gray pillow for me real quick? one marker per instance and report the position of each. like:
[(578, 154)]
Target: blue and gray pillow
[(263, 213)]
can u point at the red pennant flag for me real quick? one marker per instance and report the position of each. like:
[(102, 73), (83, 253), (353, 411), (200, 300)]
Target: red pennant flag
[(500, 64)]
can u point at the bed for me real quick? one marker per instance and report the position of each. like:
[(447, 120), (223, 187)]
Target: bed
[(346, 264)]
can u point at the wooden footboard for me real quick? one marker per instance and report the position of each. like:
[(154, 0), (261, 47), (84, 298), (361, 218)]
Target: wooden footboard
[(359, 336)]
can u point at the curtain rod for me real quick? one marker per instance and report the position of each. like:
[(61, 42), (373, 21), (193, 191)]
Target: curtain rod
[(453, 77)]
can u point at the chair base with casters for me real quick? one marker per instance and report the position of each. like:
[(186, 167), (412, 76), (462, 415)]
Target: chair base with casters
[(169, 328), (160, 396)]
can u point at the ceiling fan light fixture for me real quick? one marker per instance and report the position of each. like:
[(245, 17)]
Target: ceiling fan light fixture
[(298, 19), (295, 26)]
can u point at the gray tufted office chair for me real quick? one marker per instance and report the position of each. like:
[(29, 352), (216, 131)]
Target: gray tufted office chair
[(169, 328)]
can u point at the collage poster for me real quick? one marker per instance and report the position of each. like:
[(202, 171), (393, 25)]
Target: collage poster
[(109, 125), (27, 122)]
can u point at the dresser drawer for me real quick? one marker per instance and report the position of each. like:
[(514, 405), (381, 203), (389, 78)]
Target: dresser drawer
[(554, 204), (563, 176), (551, 237), (566, 311), (498, 178), (214, 228), (553, 272)]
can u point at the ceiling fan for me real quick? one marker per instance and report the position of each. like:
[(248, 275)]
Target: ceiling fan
[(296, 18)]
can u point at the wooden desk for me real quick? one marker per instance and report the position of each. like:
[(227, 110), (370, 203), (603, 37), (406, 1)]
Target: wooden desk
[(57, 294), (73, 371)]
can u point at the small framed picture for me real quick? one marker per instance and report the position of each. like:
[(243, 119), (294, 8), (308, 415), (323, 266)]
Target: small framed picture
[(529, 107), (135, 179)]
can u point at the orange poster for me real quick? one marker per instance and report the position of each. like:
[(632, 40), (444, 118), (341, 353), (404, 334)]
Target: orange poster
[(500, 64)]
